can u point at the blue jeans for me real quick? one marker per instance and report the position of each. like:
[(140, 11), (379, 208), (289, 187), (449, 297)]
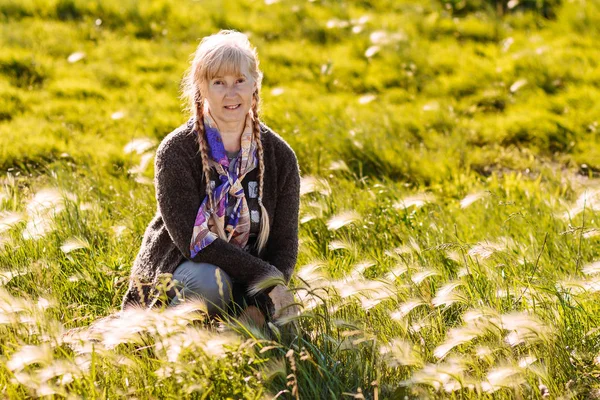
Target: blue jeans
[(202, 280)]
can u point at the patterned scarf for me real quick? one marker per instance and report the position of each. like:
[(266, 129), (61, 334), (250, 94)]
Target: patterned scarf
[(237, 228)]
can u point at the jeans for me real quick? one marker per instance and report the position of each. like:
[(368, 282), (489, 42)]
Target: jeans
[(202, 280)]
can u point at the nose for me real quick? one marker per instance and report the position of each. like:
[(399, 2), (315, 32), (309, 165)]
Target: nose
[(231, 91)]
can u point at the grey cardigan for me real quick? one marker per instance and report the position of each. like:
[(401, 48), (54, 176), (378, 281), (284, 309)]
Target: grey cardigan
[(180, 189)]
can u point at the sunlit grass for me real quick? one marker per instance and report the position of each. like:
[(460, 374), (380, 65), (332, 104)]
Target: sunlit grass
[(449, 200)]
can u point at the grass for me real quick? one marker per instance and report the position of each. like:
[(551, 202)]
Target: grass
[(449, 217)]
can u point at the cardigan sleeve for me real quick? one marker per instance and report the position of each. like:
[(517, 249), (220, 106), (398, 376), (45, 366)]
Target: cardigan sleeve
[(178, 200), (282, 246)]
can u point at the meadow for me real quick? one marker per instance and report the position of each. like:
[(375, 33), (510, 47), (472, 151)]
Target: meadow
[(449, 231)]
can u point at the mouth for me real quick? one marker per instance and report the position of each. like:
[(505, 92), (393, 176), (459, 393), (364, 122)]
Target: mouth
[(233, 107)]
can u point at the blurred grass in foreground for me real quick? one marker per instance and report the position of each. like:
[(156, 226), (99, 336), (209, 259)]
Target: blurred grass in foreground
[(449, 232)]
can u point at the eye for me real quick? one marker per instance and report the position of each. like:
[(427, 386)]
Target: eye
[(241, 80), (218, 82)]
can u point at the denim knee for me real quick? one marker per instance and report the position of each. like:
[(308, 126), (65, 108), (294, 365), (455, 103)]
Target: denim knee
[(202, 280)]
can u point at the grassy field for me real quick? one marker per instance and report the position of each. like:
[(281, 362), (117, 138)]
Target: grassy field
[(450, 233)]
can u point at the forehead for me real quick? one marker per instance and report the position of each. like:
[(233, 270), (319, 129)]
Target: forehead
[(228, 66)]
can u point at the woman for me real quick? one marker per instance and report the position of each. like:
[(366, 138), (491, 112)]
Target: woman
[(227, 191)]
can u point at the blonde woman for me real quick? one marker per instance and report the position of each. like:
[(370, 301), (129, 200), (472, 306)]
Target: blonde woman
[(227, 191)]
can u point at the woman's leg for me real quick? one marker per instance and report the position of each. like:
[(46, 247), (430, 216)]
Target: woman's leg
[(202, 280)]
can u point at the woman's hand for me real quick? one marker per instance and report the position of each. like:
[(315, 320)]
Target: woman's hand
[(283, 300)]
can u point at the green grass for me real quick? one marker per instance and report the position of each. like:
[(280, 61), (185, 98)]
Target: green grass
[(398, 111)]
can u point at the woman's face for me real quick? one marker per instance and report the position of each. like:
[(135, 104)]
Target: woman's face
[(230, 97)]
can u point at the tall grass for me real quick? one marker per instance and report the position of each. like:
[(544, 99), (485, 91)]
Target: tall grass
[(449, 213)]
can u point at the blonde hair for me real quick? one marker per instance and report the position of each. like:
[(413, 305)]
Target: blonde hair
[(225, 53)]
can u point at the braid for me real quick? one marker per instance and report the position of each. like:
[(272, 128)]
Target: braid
[(199, 126), (263, 236)]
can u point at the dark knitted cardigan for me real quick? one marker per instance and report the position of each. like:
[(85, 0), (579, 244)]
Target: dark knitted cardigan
[(180, 188)]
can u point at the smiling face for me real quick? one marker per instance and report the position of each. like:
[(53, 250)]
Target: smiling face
[(229, 95)]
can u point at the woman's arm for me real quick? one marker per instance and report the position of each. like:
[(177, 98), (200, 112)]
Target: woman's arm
[(178, 199), (282, 247)]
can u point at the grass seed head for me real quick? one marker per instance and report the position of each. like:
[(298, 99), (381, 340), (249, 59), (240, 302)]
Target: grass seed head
[(592, 269), (139, 146), (401, 352), (8, 219), (420, 276), (471, 198), (416, 201), (74, 243), (502, 377), (30, 354), (485, 249), (447, 295), (406, 308), (456, 337), (342, 219)]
